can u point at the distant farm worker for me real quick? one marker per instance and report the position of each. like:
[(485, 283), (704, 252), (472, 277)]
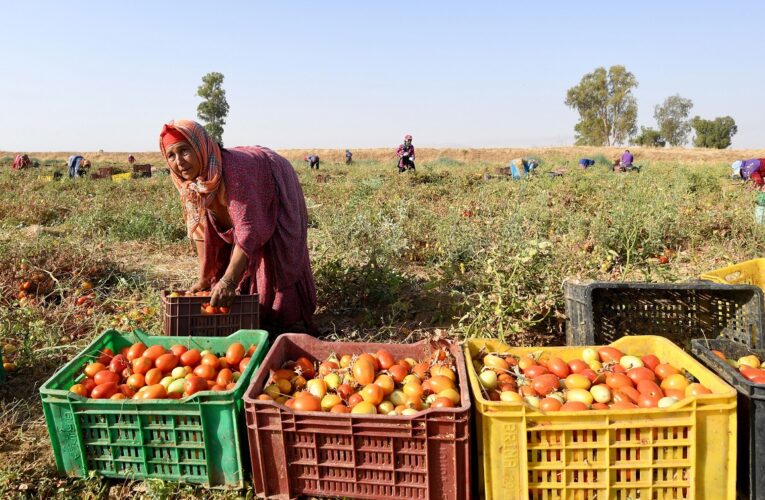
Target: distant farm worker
[(586, 163), (348, 157), (751, 170), (131, 160), (245, 211), (21, 161), (78, 166), (405, 154), (626, 160), (313, 161), (520, 167)]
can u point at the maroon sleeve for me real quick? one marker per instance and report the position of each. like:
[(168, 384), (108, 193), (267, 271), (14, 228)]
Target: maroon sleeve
[(756, 177), (400, 150), (252, 200)]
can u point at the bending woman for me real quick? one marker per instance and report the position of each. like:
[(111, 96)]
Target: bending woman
[(245, 211)]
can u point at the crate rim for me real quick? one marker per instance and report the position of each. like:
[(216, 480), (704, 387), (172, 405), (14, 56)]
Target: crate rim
[(499, 407), (732, 372), (199, 397), (462, 375)]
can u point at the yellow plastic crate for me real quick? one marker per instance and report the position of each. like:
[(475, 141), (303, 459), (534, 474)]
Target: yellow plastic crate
[(122, 177), (751, 272), (688, 451), (46, 178)]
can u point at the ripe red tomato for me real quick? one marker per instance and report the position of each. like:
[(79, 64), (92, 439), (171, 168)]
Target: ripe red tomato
[(550, 404), (385, 359), (577, 365), (93, 368), (640, 373), (193, 385), (244, 362), (79, 389), (545, 384), (192, 357), (609, 354), (178, 349), (166, 362), (398, 373), (649, 387), (119, 363), (650, 360), (307, 402), (363, 371), (104, 391), (105, 376), (664, 370), (573, 406), (534, 371), (618, 380), (154, 352), (136, 351), (106, 356), (142, 365), (235, 354), (648, 400), (559, 367), (306, 367)]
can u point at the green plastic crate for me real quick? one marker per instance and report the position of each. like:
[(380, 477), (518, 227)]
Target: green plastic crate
[(195, 440)]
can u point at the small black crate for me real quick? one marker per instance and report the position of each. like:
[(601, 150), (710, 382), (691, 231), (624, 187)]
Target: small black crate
[(183, 316), (599, 312), (750, 479)]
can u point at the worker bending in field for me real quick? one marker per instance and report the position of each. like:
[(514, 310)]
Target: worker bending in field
[(348, 157), (750, 170), (245, 211), (405, 154), (313, 161), (586, 163), (520, 167), (21, 161), (78, 166)]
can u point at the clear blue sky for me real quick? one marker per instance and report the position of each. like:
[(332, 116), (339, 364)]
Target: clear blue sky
[(83, 76)]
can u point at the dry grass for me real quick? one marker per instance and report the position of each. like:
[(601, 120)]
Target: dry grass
[(468, 155)]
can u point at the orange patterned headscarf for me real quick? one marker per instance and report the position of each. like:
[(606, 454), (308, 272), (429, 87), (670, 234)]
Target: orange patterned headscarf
[(198, 194)]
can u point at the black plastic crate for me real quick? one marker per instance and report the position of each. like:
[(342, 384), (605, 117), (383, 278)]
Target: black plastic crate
[(750, 478), (599, 312)]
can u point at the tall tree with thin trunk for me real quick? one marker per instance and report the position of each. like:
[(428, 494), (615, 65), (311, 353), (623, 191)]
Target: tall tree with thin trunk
[(214, 108), (607, 108), (672, 118)]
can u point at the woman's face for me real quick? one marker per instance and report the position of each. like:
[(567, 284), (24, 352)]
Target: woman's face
[(182, 161)]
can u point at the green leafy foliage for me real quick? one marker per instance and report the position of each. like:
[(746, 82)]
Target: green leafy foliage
[(607, 108), (650, 138), (672, 118), (717, 133), (214, 108)]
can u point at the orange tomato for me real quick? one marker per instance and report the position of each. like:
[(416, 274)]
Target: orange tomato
[(577, 365), (623, 405), (79, 389), (534, 371), (577, 381), (442, 403), (421, 369), (153, 376), (719, 354), (235, 354), (651, 361), (136, 381), (93, 368), (649, 387), (440, 383), (609, 354), (363, 371), (207, 372), (136, 351), (558, 367), (340, 408), (166, 362), (618, 380), (648, 400), (210, 360), (573, 406), (398, 373), (664, 370), (696, 389), (675, 381), (386, 383), (224, 309), (244, 362), (105, 376), (327, 367), (191, 357), (372, 393), (632, 393), (178, 349), (154, 352), (307, 402), (194, 384), (118, 395), (599, 406), (550, 404), (641, 373), (142, 365), (354, 399), (225, 377), (155, 391), (675, 393), (544, 384), (385, 358)]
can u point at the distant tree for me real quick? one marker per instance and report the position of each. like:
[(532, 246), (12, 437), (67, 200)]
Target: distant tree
[(214, 108), (650, 137), (607, 108), (716, 133), (672, 118)]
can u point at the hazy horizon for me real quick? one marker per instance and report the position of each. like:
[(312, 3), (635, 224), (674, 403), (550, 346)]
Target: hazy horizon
[(92, 76)]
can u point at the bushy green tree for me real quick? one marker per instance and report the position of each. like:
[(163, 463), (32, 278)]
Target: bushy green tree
[(650, 137), (717, 133), (672, 118), (607, 108), (214, 108)]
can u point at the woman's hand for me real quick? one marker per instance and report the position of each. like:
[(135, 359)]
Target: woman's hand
[(223, 293), (201, 285)]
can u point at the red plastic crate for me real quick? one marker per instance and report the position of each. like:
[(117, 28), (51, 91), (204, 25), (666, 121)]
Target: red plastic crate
[(423, 456), (183, 316)]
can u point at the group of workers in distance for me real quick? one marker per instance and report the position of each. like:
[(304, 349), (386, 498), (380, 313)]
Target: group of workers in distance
[(624, 163), (404, 155)]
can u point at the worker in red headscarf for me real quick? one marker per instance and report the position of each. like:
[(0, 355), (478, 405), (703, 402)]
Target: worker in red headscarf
[(405, 153), (245, 211)]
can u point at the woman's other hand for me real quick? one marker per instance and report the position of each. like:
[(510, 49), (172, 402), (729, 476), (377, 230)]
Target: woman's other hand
[(223, 294), (200, 285)]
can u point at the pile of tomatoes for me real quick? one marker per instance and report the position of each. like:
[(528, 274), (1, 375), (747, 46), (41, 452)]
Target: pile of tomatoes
[(750, 367), (141, 372), (206, 307), (366, 384), (604, 378)]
